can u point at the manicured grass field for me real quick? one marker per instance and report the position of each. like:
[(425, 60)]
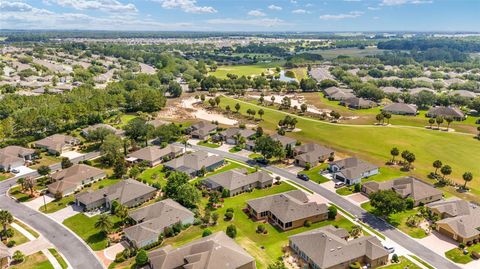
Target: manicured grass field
[(344, 191), (255, 155), (354, 52), (17, 193), (386, 173), (404, 263), (34, 261), (18, 237), (229, 165), (266, 248), (59, 258), (84, 227), (207, 144), (314, 173), (239, 70), (4, 176), (154, 175), (399, 221), (46, 159), (374, 143), (457, 256)]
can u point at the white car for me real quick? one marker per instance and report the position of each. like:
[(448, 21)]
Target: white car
[(15, 171), (339, 184), (389, 249)]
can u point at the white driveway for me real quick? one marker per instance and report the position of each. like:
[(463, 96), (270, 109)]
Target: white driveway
[(38, 202), (23, 170), (65, 213), (358, 198), (71, 154)]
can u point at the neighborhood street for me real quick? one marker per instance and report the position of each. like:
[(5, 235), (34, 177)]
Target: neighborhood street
[(378, 224)]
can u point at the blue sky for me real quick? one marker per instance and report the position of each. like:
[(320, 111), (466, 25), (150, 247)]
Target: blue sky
[(242, 15)]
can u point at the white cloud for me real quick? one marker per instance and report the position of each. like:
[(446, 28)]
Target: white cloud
[(256, 13), (403, 2), (336, 17), (19, 15), (299, 11), (103, 5), (274, 7), (263, 22), (189, 6), (373, 8)]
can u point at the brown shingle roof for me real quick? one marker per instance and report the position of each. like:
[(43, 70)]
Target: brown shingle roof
[(405, 187), (194, 161), (445, 112), (288, 206), (401, 108), (216, 251), (326, 249), (73, 176), (56, 141), (236, 178), (153, 153)]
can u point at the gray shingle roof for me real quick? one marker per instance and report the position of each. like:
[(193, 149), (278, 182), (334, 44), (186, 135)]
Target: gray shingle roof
[(284, 140), (288, 206), (193, 161), (216, 251), (445, 112), (56, 141), (236, 178), (401, 108), (326, 249), (73, 176), (453, 208), (353, 167), (13, 154), (311, 152), (405, 187), (232, 132), (153, 153), (466, 225)]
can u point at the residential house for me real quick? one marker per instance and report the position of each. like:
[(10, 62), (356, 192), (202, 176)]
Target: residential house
[(152, 220), (193, 163), (237, 181), (216, 251), (352, 170), (388, 90), (231, 135), (201, 130), (459, 220), (69, 180), (12, 157), (464, 93), (446, 111), (57, 143), (86, 131), (337, 94), (288, 210), (128, 192), (311, 153), (154, 155), (157, 122), (284, 140), (416, 91), (5, 256), (406, 187), (401, 109), (325, 248), (357, 103)]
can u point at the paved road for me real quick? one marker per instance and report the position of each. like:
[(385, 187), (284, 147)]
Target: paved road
[(439, 262), (78, 254)]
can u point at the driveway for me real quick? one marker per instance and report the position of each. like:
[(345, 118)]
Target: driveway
[(293, 169), (38, 202), (358, 198), (23, 170), (65, 213), (107, 256), (71, 154)]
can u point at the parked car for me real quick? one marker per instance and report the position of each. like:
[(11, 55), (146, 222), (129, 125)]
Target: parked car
[(15, 171), (339, 184), (303, 177), (389, 249), (261, 161)]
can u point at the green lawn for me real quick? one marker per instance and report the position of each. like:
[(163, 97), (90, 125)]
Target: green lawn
[(84, 227), (207, 144), (18, 237), (234, 150), (344, 191), (56, 205), (4, 176), (239, 70), (34, 261), (386, 173), (374, 143), (229, 165), (314, 173), (17, 193), (27, 228), (404, 263), (457, 256), (59, 258), (421, 261), (255, 156), (272, 242), (154, 175), (46, 159), (399, 221)]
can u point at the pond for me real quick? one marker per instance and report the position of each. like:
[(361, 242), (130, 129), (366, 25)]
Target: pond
[(285, 78)]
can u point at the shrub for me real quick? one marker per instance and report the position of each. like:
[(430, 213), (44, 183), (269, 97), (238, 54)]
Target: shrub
[(461, 245), (307, 223), (355, 265), (410, 203), (332, 212), (232, 231), (206, 232), (141, 258), (261, 228), (230, 209), (169, 232), (357, 187), (395, 258), (228, 216), (308, 166), (18, 256), (11, 243)]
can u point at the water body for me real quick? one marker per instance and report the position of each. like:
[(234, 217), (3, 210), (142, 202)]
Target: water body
[(285, 78)]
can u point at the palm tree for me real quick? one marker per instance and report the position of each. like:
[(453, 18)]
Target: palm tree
[(356, 231), (6, 218), (446, 170), (21, 181), (184, 142), (388, 116), (467, 177), (449, 121), (261, 113), (439, 121), (394, 152), (104, 224), (437, 165)]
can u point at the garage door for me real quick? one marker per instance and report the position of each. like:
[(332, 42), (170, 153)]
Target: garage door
[(445, 232)]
